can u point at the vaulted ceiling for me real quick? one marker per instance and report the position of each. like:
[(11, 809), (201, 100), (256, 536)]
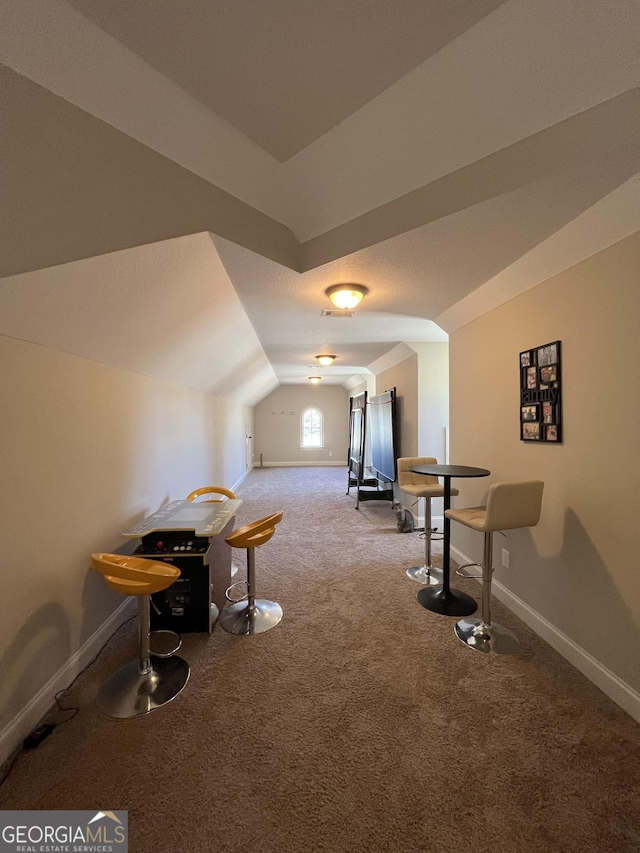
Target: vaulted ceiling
[(446, 155)]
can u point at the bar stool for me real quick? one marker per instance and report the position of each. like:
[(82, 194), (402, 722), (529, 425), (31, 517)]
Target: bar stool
[(211, 490), (509, 506), (214, 490), (153, 680), (427, 487), (250, 615)]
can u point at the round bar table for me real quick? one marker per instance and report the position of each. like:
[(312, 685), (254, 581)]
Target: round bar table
[(443, 599)]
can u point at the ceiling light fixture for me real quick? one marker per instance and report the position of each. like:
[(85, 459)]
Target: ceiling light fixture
[(326, 360), (314, 379), (346, 296)]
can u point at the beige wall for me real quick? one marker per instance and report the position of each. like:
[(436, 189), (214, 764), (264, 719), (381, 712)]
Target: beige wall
[(364, 386), (433, 398), (87, 450), (578, 568), (277, 425)]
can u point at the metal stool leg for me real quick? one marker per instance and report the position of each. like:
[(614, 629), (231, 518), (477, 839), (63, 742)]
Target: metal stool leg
[(251, 615), (145, 684), (426, 574), (483, 635)]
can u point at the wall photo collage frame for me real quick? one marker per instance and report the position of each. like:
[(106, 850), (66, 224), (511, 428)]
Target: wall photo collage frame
[(541, 394)]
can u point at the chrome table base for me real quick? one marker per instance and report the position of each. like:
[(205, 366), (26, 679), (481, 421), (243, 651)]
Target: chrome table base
[(243, 618), (132, 690), (489, 639)]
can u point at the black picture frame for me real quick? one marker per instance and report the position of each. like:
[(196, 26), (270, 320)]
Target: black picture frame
[(541, 393)]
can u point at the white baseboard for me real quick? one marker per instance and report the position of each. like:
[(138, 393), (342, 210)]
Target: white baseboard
[(15, 732), (241, 480), (341, 464), (437, 522), (615, 688)]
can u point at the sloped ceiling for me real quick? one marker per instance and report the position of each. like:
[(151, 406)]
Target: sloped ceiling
[(149, 310), (329, 58), (445, 155)]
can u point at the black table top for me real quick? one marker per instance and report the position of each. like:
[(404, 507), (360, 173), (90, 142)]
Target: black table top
[(449, 470)]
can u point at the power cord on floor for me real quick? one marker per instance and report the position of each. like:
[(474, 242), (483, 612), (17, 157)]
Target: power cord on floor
[(43, 730), (11, 760), (435, 534)]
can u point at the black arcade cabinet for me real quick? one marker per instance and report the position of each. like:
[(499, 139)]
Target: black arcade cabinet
[(191, 537)]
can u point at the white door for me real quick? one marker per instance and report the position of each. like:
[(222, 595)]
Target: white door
[(248, 446)]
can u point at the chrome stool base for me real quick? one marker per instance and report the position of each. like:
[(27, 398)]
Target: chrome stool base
[(241, 618), (426, 574), (423, 575), (490, 639), (130, 692)]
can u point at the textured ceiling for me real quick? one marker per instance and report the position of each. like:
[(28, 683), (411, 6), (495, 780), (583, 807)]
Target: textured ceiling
[(447, 156)]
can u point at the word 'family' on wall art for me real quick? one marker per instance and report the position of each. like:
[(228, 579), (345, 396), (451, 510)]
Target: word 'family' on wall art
[(541, 394)]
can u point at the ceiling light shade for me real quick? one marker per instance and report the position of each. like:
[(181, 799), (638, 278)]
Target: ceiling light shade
[(314, 379), (346, 296), (326, 360)]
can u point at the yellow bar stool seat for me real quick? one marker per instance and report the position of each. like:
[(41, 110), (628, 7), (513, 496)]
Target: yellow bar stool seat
[(143, 685), (251, 615), (211, 490), (509, 506), (427, 487), (214, 490)]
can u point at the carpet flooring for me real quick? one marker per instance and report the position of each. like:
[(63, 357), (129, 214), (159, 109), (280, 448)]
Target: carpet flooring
[(360, 723)]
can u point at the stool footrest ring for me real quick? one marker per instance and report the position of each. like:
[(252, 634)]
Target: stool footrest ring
[(153, 634), (236, 600), (459, 570), (435, 536)]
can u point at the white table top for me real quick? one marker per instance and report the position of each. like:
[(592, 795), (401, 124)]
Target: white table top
[(205, 519)]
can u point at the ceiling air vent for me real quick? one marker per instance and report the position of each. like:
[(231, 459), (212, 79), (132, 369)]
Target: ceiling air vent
[(337, 313)]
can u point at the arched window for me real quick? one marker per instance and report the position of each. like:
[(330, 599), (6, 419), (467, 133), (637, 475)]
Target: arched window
[(311, 431)]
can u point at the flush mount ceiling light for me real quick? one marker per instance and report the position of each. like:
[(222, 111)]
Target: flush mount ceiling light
[(346, 296), (326, 360), (314, 379)]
